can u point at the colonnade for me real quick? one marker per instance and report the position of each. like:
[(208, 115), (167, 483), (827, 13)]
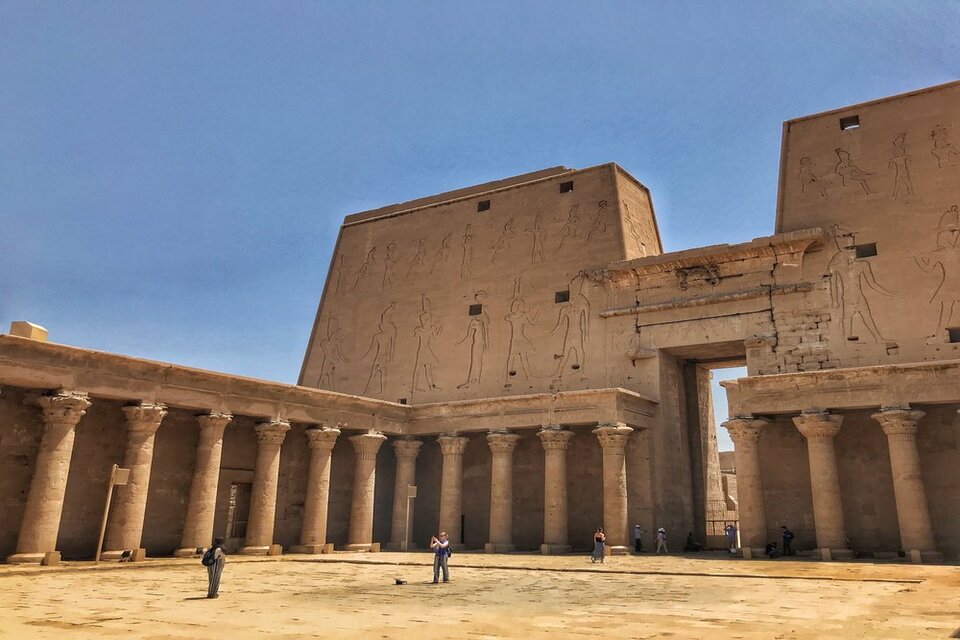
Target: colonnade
[(819, 429), (63, 410)]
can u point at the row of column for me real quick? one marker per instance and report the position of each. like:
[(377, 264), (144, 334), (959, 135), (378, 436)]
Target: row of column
[(819, 428)]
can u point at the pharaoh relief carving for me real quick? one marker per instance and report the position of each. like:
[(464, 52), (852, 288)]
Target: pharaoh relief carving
[(633, 229), (389, 262), (416, 265), (571, 228), (382, 346), (539, 235), (369, 262), (850, 279), (426, 334), (443, 253), (477, 339), (899, 169), (945, 260), (810, 182), (466, 259), (519, 346), (943, 150), (341, 272), (330, 354), (505, 239), (598, 226), (850, 174), (573, 324)]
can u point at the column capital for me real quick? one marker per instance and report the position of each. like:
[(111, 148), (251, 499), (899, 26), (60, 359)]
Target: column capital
[(818, 424), (322, 437), (272, 432), (745, 430), (366, 445), (64, 407), (145, 417), (613, 435), (213, 424), (898, 420), (452, 445), (554, 438), (407, 448), (502, 441)]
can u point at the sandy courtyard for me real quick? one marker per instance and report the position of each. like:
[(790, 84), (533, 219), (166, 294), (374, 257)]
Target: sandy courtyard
[(354, 596)]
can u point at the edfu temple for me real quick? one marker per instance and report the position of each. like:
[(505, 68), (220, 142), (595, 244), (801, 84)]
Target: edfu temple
[(525, 355)]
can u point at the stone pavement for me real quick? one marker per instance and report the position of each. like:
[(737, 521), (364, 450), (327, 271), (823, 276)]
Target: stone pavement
[(490, 596)]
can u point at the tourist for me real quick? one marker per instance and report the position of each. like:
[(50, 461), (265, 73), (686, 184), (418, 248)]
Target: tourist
[(662, 540), (731, 531), (441, 553), (787, 540), (772, 551), (691, 544), (213, 560), (637, 535), (599, 542)]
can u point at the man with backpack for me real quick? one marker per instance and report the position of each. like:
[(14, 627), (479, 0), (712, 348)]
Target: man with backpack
[(213, 560)]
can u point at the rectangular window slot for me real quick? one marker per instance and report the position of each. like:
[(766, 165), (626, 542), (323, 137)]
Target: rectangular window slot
[(865, 250), (566, 187), (561, 296), (849, 122), (476, 309), (954, 335), (402, 401), (483, 205)]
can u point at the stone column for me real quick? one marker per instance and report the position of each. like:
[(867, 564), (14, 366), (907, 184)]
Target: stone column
[(613, 439), (502, 445), (313, 533), (406, 451), (365, 446), (819, 428), (745, 433), (41, 517), (916, 532), (451, 486), (198, 526), (555, 443), (125, 528), (263, 497)]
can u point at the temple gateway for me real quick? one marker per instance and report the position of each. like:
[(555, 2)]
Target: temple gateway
[(525, 354)]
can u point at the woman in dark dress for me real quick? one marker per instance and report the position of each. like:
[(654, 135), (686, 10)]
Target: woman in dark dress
[(599, 539)]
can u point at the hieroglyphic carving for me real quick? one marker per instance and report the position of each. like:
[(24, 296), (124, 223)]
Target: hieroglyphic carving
[(366, 267), (478, 338), (809, 181), (599, 224), (943, 150), (849, 172), (467, 260), (382, 345), (706, 273), (503, 242), (848, 276), (426, 361), (947, 257), (898, 166), (329, 345), (418, 259), (539, 235), (519, 346), (443, 253), (388, 263), (573, 320), (571, 228)]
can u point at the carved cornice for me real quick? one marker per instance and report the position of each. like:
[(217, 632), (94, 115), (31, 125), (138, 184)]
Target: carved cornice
[(613, 435), (452, 445), (366, 445), (502, 442), (554, 439), (745, 431), (63, 408), (818, 424), (899, 421), (407, 449), (322, 437), (272, 432), (145, 417)]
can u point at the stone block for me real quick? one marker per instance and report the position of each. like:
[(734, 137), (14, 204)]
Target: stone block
[(375, 547), (275, 550), (23, 329), (138, 555), (51, 559)]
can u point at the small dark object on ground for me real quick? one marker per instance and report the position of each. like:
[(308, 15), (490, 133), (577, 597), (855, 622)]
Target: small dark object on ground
[(399, 581)]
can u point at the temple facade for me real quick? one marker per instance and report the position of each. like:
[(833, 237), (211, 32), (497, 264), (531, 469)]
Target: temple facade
[(525, 354)]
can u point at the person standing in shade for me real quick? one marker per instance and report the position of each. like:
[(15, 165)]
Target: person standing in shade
[(637, 537), (731, 531), (441, 553), (213, 560), (662, 540), (599, 542), (787, 540)]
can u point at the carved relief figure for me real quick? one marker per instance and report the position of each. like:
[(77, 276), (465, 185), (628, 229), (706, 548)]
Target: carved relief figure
[(467, 259), (388, 263), (519, 346), (633, 228), (382, 346), (573, 321), (943, 150), (331, 352), (366, 267), (341, 271), (478, 338), (946, 257), (599, 224), (506, 237), (848, 277), (536, 228), (570, 228), (902, 186), (850, 173), (809, 180), (707, 273), (442, 253), (418, 259), (426, 332)]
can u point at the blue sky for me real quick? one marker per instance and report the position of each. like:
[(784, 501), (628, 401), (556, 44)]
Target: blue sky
[(173, 174)]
